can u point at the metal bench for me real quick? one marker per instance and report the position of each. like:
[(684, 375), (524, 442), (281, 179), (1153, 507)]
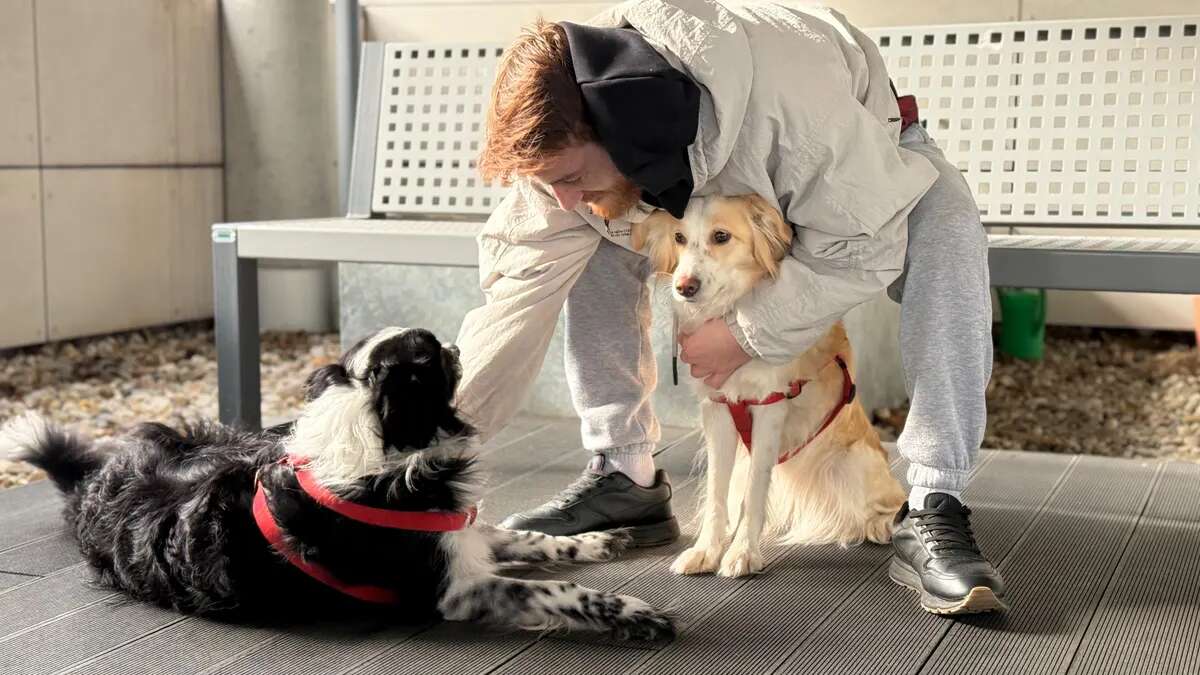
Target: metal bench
[(1056, 124), (1068, 124)]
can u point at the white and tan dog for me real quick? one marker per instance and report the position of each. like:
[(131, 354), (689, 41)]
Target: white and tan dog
[(834, 485)]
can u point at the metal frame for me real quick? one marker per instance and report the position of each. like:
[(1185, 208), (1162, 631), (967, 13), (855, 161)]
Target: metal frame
[(399, 242), (346, 65), (235, 300), (362, 164), (1096, 264)]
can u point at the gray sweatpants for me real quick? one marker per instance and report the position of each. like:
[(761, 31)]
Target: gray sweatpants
[(945, 337)]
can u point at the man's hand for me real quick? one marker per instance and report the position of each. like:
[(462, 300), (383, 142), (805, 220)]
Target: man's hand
[(712, 352)]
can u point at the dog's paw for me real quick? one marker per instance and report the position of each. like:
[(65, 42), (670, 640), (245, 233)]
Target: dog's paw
[(643, 623), (598, 546), (739, 562), (879, 529), (697, 560)]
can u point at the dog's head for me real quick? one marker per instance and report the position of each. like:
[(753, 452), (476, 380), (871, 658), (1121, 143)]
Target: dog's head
[(390, 394), (719, 250)]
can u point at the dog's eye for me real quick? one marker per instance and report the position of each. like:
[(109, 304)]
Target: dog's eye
[(679, 238), (720, 237)]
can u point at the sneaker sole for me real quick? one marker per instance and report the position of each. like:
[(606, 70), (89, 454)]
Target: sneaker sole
[(655, 534), (978, 600)]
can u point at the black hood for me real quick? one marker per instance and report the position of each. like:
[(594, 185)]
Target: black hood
[(643, 111)]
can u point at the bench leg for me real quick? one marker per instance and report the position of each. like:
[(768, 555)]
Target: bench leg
[(235, 298)]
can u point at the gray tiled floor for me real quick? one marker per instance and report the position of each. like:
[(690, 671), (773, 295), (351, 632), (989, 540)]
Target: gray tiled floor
[(1102, 556)]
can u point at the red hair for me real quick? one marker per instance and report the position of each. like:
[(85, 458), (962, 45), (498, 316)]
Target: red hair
[(536, 109)]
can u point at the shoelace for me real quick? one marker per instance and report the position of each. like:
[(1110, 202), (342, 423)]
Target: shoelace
[(946, 530), (585, 482)]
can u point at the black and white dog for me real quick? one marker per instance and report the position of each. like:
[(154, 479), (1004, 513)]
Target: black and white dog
[(364, 502)]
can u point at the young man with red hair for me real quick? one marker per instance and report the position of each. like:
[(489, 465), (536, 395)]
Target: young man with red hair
[(657, 101)]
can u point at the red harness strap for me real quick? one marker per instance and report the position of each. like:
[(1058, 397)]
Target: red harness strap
[(417, 521), (420, 521), (908, 111), (744, 422), (909, 115)]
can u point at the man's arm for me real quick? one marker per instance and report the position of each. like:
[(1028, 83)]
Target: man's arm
[(779, 320), (530, 254)]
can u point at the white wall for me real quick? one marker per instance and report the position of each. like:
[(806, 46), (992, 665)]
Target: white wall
[(110, 165), (280, 144)]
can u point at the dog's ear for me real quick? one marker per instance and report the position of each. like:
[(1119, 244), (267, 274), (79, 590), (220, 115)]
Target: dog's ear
[(770, 235), (323, 378), (655, 236)]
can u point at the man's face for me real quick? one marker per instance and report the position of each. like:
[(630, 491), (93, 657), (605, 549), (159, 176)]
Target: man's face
[(585, 173)]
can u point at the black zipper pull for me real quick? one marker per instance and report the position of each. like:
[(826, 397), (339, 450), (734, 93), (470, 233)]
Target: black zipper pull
[(674, 349)]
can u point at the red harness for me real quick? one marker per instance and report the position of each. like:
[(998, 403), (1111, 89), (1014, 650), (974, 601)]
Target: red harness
[(909, 115), (418, 521), (742, 420), (908, 111)]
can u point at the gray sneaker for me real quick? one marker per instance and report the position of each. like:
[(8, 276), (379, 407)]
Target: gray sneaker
[(936, 556), (597, 501)]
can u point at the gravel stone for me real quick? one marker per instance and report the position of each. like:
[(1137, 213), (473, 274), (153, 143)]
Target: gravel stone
[(1119, 393), (102, 386), (1114, 393)]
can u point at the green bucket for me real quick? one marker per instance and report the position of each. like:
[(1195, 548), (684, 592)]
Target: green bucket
[(1023, 322)]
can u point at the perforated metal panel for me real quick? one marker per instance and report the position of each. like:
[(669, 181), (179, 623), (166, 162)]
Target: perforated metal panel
[(1062, 122), (430, 128), (1052, 122)]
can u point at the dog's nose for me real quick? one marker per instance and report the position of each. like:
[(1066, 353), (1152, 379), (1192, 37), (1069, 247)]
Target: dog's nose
[(688, 286)]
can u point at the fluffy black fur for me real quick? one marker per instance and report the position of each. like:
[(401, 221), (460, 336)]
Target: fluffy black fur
[(165, 515)]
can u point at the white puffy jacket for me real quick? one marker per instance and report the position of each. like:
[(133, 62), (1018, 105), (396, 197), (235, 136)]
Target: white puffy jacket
[(796, 106)]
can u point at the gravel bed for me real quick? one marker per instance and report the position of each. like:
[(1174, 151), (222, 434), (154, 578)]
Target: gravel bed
[(101, 386), (1115, 393), (1118, 393)]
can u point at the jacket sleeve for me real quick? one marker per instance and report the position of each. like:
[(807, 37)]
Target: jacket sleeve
[(530, 255), (849, 241), (783, 318)]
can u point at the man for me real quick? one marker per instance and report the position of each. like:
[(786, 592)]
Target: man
[(657, 101)]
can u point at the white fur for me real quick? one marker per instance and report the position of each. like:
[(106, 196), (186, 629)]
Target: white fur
[(827, 493), (721, 446), (358, 366), (470, 557), (418, 462), (22, 433), (339, 434), (719, 290), (473, 589)]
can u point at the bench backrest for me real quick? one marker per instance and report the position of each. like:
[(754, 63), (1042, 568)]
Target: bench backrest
[(1056, 123), (1062, 123), (420, 123)]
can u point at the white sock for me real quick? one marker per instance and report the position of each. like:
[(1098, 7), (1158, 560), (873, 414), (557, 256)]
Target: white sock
[(638, 467), (916, 496)]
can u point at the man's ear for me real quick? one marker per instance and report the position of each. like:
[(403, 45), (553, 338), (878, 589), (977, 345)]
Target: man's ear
[(655, 236), (770, 235)]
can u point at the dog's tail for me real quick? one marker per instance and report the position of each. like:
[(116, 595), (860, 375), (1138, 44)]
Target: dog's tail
[(66, 457)]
